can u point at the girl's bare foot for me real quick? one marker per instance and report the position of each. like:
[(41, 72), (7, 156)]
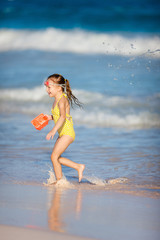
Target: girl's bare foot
[(80, 171), (53, 183)]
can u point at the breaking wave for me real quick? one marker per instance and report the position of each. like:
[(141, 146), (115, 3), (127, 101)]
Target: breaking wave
[(100, 110), (79, 41)]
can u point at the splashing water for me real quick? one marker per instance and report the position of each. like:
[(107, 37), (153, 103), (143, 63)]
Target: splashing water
[(100, 182), (63, 183), (51, 179), (96, 181)]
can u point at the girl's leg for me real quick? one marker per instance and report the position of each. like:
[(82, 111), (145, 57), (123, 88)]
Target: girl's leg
[(61, 144), (59, 147), (79, 167)]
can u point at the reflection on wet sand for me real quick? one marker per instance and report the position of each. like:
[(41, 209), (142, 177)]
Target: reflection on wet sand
[(57, 211)]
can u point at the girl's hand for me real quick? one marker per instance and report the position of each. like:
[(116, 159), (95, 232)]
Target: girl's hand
[(49, 117), (50, 135)]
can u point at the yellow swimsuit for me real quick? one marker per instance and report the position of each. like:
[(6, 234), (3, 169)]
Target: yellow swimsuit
[(67, 127)]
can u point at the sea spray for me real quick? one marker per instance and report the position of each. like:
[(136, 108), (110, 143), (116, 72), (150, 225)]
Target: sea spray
[(52, 178)]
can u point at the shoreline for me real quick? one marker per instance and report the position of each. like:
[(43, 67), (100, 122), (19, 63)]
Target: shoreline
[(137, 190)]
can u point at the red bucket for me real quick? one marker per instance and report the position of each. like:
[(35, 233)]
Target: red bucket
[(40, 121)]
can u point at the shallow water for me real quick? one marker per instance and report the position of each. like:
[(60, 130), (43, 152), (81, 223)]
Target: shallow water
[(132, 155)]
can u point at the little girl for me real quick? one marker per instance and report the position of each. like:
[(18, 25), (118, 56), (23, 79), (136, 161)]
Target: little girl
[(59, 88)]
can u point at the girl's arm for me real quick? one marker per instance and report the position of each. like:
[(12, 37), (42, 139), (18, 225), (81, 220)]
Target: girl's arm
[(59, 123)]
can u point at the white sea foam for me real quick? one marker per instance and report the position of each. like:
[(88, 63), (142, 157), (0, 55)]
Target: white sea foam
[(78, 41), (99, 111)]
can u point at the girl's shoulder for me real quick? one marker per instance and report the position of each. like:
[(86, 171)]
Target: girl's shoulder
[(64, 100)]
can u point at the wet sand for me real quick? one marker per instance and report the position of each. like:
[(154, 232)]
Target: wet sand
[(10, 232), (61, 212)]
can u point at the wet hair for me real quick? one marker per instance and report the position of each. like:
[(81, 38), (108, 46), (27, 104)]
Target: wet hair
[(59, 79)]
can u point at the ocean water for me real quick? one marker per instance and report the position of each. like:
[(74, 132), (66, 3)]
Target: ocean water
[(110, 52), (137, 16)]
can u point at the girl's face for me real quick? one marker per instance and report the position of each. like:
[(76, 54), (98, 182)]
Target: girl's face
[(52, 89)]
